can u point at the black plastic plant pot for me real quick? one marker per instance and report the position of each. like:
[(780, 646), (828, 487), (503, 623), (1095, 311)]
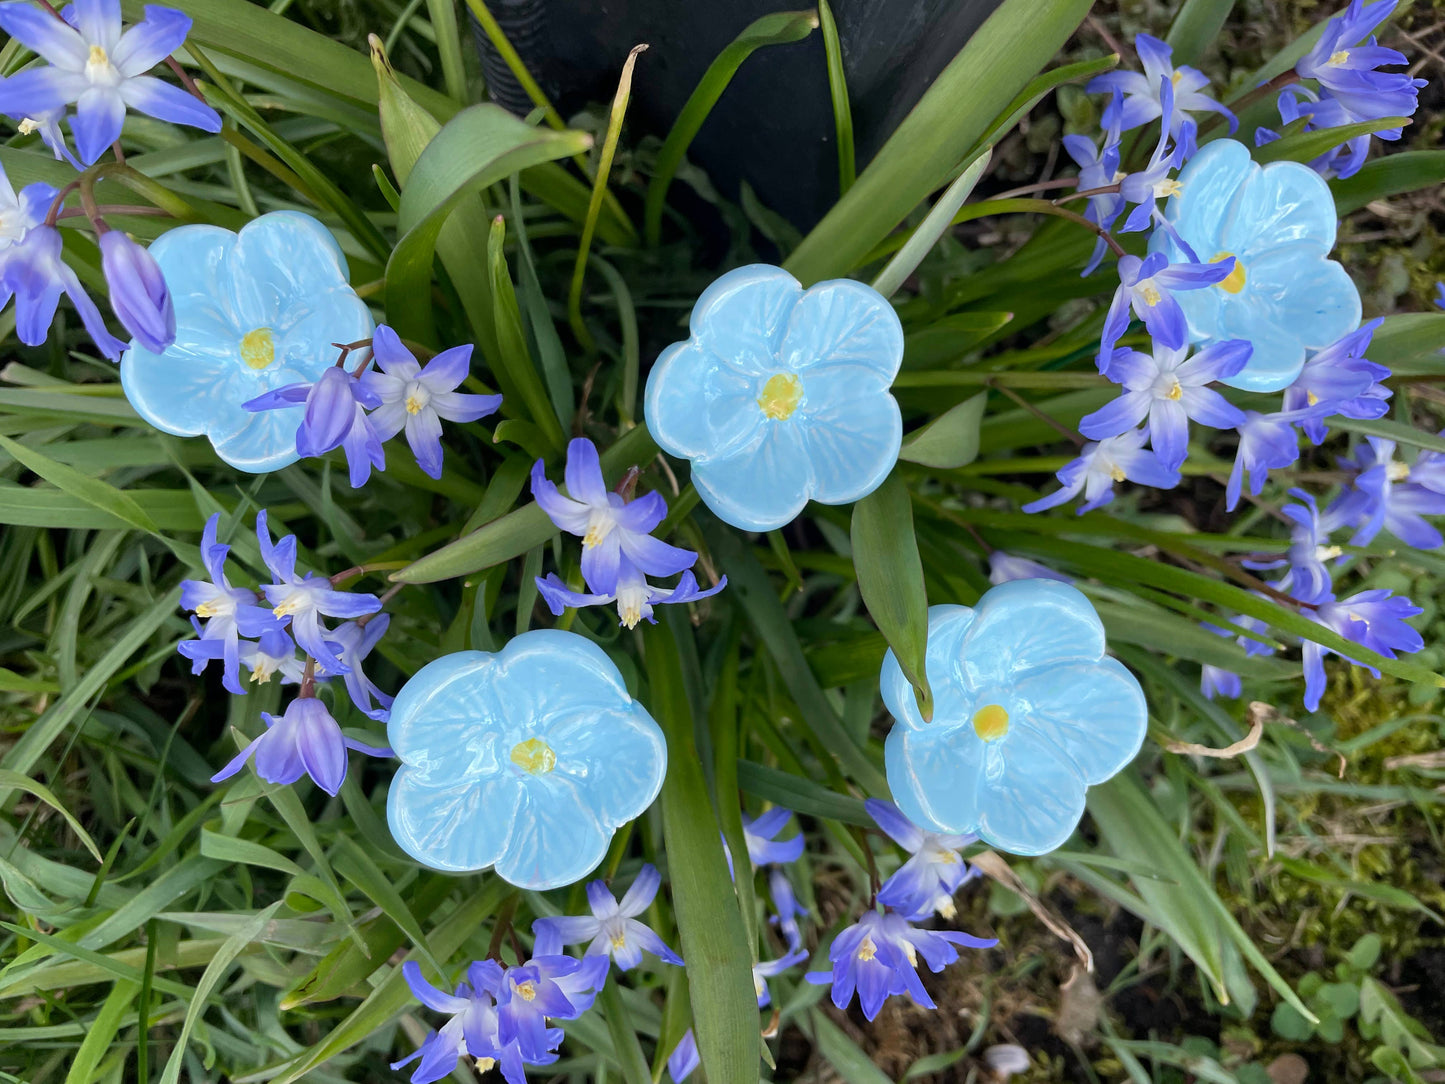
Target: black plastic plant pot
[(773, 127)]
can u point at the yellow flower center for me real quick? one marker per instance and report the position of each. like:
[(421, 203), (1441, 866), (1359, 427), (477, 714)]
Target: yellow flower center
[(1397, 471), (486, 1065), (535, 756), (947, 908), (413, 405), (27, 125), (990, 722), (1234, 281), (1340, 56), (209, 608), (261, 675), (97, 57), (1327, 553), (258, 349), (1311, 398), (781, 396), (1151, 295), (867, 950), (527, 991), (619, 940), (1117, 473), (1176, 392), (1178, 75), (1168, 187)]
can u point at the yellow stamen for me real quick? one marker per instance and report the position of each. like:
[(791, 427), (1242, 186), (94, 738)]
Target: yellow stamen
[(258, 349), (535, 756), (990, 722), (947, 909), (781, 396), (758, 986), (261, 675), (1397, 471), (527, 991), (912, 955), (413, 404), (1340, 56), (97, 56), (1176, 392), (1234, 281), (1168, 187), (1311, 398), (867, 950), (619, 940), (1327, 553), (1178, 75), (209, 608), (1152, 296), (26, 126), (486, 1065), (288, 606)]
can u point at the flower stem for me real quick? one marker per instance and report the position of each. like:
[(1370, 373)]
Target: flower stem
[(1047, 419)]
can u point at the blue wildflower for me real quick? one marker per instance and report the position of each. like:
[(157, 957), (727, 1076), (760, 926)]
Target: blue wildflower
[(878, 957), (1298, 103), (786, 908), (1144, 95), (472, 1030), (352, 641), (100, 69), (1429, 469), (1382, 496), (273, 653), (612, 929), (1003, 567), (32, 268), (1146, 286), (635, 597), (1307, 579), (47, 123), (765, 970), (1100, 465), (934, 870), (1169, 391), (138, 293), (305, 740), (1152, 183), (305, 600), (1344, 61), (1099, 168), (1340, 380), (1373, 619), (610, 527), (229, 613), (684, 1059), (760, 835), (1266, 442), (558, 987), (336, 406), (417, 398), (1215, 681)]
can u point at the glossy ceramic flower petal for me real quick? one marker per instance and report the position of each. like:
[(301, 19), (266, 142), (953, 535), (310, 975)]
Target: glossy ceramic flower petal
[(1027, 712), (1207, 188), (761, 485), (1030, 798), (254, 311), (742, 316), (1276, 206), (947, 626), (854, 432), (545, 726), (781, 395), (704, 412), (936, 775), (1094, 713), (1024, 624)]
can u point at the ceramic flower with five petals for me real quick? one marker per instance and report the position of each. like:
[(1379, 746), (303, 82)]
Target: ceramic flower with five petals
[(781, 395), (1028, 713), (1284, 295), (527, 759), (255, 311)]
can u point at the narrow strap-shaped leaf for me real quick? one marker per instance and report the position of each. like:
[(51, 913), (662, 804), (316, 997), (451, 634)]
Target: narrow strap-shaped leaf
[(838, 91), (101, 1031), (515, 370), (778, 28), (93, 491), (16, 781), (1393, 175), (890, 579), (939, 219), (951, 439), (1307, 146), (719, 959), (1196, 27)]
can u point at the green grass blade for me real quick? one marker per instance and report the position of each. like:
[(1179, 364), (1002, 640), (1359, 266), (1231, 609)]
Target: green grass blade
[(91, 490), (1393, 175), (513, 366), (15, 781), (939, 220), (719, 959), (951, 118), (1196, 28), (101, 1032), (778, 28), (838, 91), (443, 16)]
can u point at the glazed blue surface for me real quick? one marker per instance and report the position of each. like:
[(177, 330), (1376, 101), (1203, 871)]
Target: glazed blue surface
[(468, 726), (1035, 649), (283, 281), (780, 395), (1278, 222)]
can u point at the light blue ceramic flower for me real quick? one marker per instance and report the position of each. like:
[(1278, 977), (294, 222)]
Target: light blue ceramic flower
[(254, 311), (781, 395), (1028, 713), (527, 759), (1278, 222)]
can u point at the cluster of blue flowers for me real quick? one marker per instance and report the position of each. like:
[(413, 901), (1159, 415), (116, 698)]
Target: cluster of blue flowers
[(357, 410), (500, 1015), (93, 64), (619, 551), (306, 739), (1237, 289)]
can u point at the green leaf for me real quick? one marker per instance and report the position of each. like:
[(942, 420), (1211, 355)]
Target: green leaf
[(1382, 1011), (937, 135), (838, 92), (951, 439), (1409, 343), (1307, 146), (719, 959), (777, 28), (1392, 175), (1039, 86), (520, 530), (801, 795), (950, 339), (1391, 430), (890, 579), (100, 1033), (92, 491), (938, 221), (1196, 28), (630, 1058), (478, 147), (842, 1053), (513, 366), (15, 781)]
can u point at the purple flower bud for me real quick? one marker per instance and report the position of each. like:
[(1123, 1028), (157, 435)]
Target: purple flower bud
[(138, 293)]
